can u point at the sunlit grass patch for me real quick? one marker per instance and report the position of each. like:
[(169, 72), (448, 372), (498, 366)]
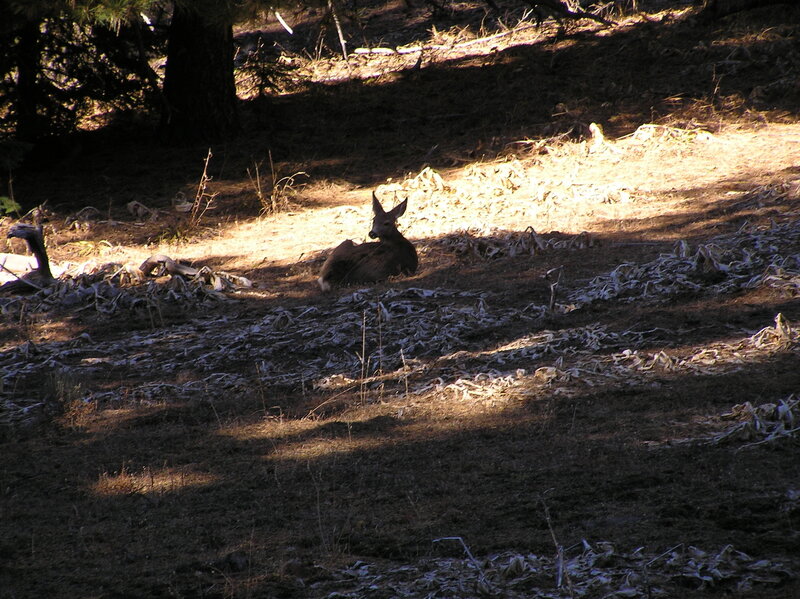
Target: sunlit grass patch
[(150, 481)]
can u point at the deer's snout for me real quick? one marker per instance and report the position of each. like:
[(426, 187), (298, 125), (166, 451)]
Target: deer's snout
[(373, 235)]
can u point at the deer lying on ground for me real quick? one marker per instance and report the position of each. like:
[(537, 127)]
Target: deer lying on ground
[(391, 255)]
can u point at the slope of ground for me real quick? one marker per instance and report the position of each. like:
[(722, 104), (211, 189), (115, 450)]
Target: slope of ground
[(589, 389)]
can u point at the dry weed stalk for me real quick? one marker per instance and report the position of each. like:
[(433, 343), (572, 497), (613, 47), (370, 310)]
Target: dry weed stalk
[(562, 572), (202, 198), (406, 369), (337, 23), (379, 371), (362, 392), (280, 186), (553, 276), (331, 543), (452, 39)]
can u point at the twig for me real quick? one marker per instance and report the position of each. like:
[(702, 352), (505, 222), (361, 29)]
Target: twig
[(380, 339), (19, 278), (774, 435), (362, 388), (658, 557), (256, 181), (283, 23), (561, 571), (335, 15), (405, 369), (329, 400), (198, 206), (318, 506), (481, 574), (554, 285), (171, 267), (279, 186)]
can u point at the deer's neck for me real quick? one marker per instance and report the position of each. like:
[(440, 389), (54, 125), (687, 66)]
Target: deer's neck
[(394, 238)]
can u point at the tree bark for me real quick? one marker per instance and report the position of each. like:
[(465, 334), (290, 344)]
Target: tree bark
[(199, 86), (30, 124)]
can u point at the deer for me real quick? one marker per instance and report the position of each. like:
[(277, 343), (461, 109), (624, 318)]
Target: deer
[(374, 261)]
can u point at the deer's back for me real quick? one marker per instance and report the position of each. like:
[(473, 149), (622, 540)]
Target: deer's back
[(369, 262)]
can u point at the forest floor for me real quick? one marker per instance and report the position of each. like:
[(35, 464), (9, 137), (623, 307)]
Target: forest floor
[(590, 388)]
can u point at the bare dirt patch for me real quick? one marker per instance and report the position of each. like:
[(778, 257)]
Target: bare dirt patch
[(547, 408)]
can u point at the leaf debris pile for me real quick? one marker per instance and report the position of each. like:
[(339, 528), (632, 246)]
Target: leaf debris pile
[(113, 288), (750, 258), (580, 361), (415, 338), (766, 423), (493, 244), (422, 340), (599, 570)]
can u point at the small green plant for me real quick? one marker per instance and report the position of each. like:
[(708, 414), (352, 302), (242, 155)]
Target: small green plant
[(12, 154), (174, 234), (8, 205)]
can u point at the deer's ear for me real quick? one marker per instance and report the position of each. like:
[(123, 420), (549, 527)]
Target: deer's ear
[(399, 210), (376, 205)]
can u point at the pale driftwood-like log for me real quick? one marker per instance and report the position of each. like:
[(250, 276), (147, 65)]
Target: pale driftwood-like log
[(555, 6), (17, 263), (220, 281), (41, 276), (169, 265), (428, 47)]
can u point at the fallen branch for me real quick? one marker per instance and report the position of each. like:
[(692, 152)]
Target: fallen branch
[(427, 47), (19, 279), (481, 574), (169, 265), (39, 277), (562, 573), (220, 281)]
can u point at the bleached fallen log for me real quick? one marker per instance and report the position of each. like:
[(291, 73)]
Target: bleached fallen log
[(427, 47), (169, 265), (220, 281)]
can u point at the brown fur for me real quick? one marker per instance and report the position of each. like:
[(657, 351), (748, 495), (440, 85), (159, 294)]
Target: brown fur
[(391, 255)]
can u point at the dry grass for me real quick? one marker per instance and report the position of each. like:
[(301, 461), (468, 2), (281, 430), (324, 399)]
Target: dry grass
[(261, 442)]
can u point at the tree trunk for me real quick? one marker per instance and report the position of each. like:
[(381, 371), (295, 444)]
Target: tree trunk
[(31, 125), (199, 86)]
